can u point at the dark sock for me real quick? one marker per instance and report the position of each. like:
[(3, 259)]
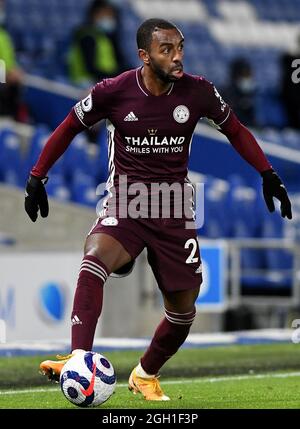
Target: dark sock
[(169, 336), (88, 300)]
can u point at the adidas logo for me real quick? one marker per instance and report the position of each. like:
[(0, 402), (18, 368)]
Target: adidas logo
[(130, 117), (76, 321)]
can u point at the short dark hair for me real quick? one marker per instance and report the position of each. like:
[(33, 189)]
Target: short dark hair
[(145, 30)]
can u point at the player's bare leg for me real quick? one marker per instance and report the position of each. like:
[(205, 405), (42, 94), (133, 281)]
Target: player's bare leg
[(103, 254), (169, 336), (108, 250)]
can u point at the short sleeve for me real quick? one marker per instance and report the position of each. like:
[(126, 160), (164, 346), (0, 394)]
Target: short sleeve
[(96, 105), (217, 110)]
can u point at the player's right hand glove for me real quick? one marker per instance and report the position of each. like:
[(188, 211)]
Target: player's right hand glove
[(36, 197), (273, 187)]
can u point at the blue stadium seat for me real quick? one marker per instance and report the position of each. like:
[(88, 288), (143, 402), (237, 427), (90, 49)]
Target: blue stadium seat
[(241, 204), (291, 138), (83, 189), (75, 159), (37, 142), (35, 146), (10, 160), (277, 10), (271, 135), (216, 225), (57, 188), (278, 261), (273, 227)]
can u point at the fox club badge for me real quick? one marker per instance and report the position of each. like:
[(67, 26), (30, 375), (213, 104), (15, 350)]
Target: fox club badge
[(181, 114)]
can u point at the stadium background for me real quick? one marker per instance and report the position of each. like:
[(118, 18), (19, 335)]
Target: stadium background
[(251, 258)]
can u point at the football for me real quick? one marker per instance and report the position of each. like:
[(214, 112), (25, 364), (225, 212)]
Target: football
[(88, 379)]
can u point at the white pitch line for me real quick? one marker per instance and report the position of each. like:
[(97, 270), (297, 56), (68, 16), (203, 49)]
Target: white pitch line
[(185, 381)]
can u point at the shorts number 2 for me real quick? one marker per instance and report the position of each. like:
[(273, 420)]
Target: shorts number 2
[(191, 242)]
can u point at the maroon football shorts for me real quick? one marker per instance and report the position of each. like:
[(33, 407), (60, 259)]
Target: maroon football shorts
[(173, 250)]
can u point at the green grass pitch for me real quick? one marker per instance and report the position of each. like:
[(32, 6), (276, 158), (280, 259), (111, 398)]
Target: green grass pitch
[(252, 377)]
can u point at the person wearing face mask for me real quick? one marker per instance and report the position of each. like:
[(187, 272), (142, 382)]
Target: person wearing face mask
[(11, 75), (95, 52), (241, 91)]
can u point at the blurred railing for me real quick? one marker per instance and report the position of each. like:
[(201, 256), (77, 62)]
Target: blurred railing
[(236, 272)]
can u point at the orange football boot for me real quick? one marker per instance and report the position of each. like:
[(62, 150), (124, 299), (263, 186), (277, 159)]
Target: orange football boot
[(52, 368), (148, 387)]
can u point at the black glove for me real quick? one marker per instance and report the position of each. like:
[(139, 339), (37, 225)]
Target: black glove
[(36, 197), (273, 187)]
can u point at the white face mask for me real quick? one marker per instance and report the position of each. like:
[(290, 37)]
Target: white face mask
[(246, 84), (2, 17), (107, 25)]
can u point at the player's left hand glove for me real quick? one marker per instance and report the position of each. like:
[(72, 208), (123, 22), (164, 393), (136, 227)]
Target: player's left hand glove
[(36, 197), (273, 187)]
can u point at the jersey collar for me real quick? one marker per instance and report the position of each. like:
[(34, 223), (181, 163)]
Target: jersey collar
[(139, 81)]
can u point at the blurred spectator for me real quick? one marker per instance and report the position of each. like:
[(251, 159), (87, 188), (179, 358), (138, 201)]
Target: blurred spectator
[(290, 91), (241, 91), (95, 52), (10, 103)]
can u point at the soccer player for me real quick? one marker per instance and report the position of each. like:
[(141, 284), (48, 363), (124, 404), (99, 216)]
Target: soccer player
[(151, 115)]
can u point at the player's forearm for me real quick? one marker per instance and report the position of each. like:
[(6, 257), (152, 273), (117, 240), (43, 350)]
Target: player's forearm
[(56, 145), (245, 144)]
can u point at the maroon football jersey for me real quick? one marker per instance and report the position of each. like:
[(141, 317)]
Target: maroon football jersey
[(150, 136)]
